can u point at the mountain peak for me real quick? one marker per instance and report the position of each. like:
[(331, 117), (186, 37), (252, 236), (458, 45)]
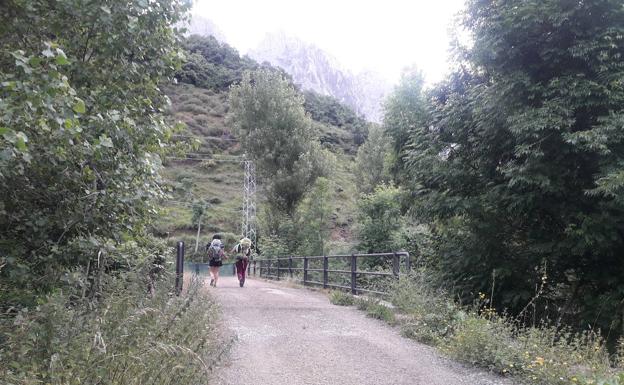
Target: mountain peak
[(314, 69)]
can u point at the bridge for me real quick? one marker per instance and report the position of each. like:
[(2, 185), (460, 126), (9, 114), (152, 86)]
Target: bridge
[(291, 335), (285, 333)]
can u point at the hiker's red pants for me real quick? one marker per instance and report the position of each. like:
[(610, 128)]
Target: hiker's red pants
[(241, 268)]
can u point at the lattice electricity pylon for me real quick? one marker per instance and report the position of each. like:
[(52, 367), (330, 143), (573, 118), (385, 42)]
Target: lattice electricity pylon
[(249, 202)]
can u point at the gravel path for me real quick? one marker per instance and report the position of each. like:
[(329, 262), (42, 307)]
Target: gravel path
[(295, 336)]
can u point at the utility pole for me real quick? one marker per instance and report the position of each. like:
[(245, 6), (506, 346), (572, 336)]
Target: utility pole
[(249, 201)]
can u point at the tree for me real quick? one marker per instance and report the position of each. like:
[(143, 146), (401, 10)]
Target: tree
[(404, 112), (372, 163), (278, 136), (380, 220), (328, 110), (199, 209), (521, 164), (313, 219), (81, 133)]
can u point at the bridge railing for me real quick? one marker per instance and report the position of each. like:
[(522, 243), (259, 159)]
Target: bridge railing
[(346, 270)]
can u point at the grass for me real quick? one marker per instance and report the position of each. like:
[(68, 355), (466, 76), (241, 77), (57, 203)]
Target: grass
[(541, 355), (125, 337), (341, 298)]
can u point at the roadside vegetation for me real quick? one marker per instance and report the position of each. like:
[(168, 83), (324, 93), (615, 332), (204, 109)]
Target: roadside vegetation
[(504, 182), (86, 290)]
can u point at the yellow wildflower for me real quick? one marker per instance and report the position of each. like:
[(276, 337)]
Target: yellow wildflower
[(539, 360)]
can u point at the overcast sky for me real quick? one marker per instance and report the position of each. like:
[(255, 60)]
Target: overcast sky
[(384, 36)]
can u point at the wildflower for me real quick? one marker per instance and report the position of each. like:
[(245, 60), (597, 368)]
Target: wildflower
[(539, 360), (574, 379), (481, 295)]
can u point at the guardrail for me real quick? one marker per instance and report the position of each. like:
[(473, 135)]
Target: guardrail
[(273, 268)]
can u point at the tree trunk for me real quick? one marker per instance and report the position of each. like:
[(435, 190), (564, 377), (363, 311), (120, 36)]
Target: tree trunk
[(197, 239)]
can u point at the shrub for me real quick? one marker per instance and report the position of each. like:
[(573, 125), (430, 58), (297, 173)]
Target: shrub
[(431, 315), (341, 298)]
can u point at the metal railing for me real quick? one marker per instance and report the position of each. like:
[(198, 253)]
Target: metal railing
[(282, 267)]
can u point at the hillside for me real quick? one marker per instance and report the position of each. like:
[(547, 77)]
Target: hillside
[(200, 101)]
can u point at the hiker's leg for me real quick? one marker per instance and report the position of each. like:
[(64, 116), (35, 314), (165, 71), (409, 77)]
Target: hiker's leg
[(239, 269), (216, 275), (244, 264), (212, 275)]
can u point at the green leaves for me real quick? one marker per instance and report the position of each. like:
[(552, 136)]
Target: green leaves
[(269, 116), (79, 106), (65, 105), (522, 142)]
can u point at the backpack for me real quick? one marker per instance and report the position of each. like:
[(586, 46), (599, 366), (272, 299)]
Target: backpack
[(214, 251)]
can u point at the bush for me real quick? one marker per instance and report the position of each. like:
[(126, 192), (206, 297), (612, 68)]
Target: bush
[(341, 298), (430, 314), (125, 337)]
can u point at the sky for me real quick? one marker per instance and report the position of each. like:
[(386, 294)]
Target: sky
[(384, 36)]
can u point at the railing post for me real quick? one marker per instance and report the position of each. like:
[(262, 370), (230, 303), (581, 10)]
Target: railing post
[(305, 270), (290, 265), (254, 269), (325, 273), (179, 281), (353, 274), (395, 264), (278, 267)]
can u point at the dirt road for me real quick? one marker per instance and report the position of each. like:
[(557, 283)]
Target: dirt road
[(295, 336)]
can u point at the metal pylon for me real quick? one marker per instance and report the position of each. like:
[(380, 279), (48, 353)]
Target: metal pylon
[(249, 202)]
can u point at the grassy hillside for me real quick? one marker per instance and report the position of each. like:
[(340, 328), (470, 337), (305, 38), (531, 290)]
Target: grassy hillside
[(203, 107), (220, 182)]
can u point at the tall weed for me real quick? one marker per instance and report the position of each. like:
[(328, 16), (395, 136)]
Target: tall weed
[(543, 355), (126, 337)]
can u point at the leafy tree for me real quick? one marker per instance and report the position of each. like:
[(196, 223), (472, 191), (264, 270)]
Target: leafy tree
[(81, 131), (215, 65), (328, 110), (404, 112), (521, 164), (199, 209), (278, 136), (380, 220), (313, 217), (372, 166)]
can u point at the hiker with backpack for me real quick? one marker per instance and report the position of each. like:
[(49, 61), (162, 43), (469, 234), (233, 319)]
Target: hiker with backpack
[(243, 253), (215, 258)]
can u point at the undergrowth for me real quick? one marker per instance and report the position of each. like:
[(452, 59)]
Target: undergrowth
[(341, 298), (125, 337), (543, 355)]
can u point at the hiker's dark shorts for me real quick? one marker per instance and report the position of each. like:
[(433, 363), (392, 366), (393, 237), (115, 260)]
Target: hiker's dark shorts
[(215, 263)]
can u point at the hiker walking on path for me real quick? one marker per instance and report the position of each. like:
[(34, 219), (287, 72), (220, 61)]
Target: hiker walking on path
[(215, 258), (243, 253)]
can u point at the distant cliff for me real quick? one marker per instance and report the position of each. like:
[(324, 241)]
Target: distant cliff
[(314, 69)]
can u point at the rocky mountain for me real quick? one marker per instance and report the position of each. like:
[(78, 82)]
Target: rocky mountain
[(314, 69)]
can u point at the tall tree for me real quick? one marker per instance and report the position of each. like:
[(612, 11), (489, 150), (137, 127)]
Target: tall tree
[(404, 112), (372, 163), (276, 133), (81, 130), (521, 164), (313, 219)]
